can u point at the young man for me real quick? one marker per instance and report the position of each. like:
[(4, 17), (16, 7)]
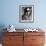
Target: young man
[(27, 13)]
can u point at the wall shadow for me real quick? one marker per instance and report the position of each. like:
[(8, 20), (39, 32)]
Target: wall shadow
[(2, 29)]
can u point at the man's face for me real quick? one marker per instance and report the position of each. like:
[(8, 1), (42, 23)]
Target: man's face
[(28, 13)]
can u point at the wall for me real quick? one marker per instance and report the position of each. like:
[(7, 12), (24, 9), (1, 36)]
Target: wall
[(9, 13)]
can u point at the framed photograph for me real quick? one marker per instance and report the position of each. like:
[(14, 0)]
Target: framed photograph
[(26, 13)]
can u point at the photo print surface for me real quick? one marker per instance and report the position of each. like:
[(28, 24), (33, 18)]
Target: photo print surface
[(26, 13)]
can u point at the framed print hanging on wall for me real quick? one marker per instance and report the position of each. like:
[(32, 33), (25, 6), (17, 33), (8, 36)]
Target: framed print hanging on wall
[(26, 13)]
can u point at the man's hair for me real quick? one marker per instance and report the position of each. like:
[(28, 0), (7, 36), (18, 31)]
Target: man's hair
[(25, 10)]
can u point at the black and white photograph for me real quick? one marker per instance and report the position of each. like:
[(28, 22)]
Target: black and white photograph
[(26, 13)]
